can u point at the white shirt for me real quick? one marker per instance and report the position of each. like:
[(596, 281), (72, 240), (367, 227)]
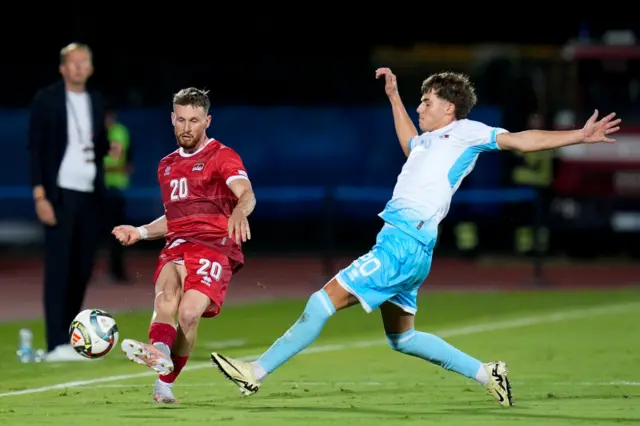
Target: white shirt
[(78, 168), (438, 162)]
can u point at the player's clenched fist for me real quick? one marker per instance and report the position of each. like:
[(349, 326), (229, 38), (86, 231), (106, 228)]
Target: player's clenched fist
[(390, 83), (126, 234), (239, 227)]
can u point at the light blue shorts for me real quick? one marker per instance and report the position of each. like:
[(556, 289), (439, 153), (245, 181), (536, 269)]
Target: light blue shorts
[(393, 271)]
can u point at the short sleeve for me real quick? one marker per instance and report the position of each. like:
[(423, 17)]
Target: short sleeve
[(481, 136), (230, 166)]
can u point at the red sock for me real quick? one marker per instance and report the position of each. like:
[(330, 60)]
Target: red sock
[(163, 333), (178, 364)]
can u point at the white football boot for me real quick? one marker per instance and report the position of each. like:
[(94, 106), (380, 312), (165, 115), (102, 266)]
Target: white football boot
[(239, 372), (498, 386), (149, 355), (163, 393)]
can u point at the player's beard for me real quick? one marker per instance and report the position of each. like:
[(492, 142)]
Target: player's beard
[(187, 142)]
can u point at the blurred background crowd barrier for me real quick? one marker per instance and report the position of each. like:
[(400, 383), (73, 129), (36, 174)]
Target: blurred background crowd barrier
[(321, 150)]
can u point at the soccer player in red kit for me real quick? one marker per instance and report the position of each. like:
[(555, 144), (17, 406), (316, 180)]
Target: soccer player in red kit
[(207, 198)]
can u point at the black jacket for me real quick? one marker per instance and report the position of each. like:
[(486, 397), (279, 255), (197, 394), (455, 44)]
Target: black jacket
[(48, 139)]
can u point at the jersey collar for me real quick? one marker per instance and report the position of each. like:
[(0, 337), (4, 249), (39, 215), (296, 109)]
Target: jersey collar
[(191, 154)]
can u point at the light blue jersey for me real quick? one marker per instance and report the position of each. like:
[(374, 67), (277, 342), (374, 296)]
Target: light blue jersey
[(400, 261)]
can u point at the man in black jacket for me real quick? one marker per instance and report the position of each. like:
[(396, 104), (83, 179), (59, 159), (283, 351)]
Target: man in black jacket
[(67, 145)]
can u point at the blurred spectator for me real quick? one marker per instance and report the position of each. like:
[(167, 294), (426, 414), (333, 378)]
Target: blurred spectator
[(117, 171), (67, 144)]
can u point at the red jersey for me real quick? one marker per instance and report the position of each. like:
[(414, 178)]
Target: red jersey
[(197, 198)]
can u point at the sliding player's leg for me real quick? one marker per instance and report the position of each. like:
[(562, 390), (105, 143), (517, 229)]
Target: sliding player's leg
[(398, 316), (162, 331), (319, 308), (398, 320), (370, 280)]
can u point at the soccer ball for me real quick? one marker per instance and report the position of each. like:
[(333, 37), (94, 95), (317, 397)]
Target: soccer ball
[(93, 333)]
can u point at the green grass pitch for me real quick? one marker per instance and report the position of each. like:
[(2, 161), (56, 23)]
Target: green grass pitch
[(572, 357)]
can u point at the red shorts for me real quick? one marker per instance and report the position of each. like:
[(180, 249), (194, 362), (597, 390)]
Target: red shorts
[(208, 271)]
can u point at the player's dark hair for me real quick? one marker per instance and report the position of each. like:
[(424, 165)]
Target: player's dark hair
[(192, 97), (455, 88)]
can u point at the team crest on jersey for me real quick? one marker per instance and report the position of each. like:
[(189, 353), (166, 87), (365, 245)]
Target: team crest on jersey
[(167, 170), (426, 143), (198, 167)]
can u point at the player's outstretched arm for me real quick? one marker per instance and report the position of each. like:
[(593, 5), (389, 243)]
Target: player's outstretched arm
[(405, 129), (594, 131), (128, 235)]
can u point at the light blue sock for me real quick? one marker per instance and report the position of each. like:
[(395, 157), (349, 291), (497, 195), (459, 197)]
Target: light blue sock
[(437, 351), (308, 327)]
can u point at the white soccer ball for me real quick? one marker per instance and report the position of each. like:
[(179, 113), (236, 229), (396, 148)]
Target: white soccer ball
[(93, 333)]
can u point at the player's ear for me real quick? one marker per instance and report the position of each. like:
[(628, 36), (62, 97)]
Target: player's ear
[(451, 108), (208, 121), (173, 118)]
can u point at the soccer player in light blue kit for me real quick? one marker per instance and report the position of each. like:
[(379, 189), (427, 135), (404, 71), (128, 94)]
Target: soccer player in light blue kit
[(389, 276)]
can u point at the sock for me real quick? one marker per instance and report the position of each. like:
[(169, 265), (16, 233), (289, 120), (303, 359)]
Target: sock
[(259, 371), (481, 376), (318, 310), (178, 364), (437, 351), (162, 336)]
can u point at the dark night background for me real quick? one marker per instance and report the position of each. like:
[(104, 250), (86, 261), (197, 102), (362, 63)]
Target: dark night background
[(294, 93)]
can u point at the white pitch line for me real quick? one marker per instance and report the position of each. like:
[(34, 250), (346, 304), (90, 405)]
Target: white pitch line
[(460, 331), (620, 383), (225, 344), (208, 385), (614, 383)]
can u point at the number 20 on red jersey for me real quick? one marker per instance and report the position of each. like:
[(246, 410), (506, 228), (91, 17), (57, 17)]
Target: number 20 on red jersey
[(179, 189)]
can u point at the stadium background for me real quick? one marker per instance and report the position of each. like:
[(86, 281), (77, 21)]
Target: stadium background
[(316, 134)]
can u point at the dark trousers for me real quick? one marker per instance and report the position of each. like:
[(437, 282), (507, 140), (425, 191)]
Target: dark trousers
[(115, 210), (70, 249)]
